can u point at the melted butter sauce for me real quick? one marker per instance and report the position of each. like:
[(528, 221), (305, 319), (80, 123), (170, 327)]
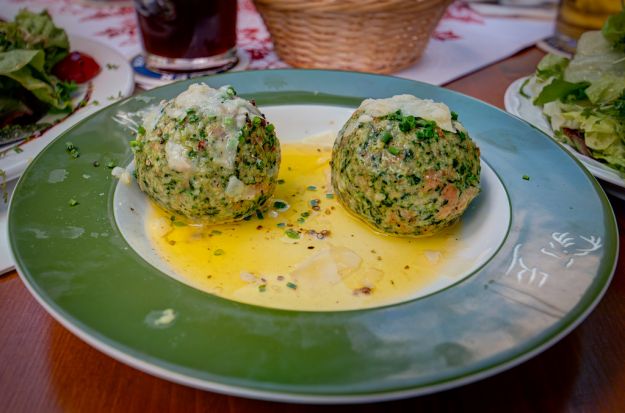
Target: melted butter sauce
[(312, 255)]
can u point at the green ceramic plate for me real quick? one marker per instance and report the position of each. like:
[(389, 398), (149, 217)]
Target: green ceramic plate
[(545, 274)]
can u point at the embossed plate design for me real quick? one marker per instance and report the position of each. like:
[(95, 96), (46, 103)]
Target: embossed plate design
[(552, 268)]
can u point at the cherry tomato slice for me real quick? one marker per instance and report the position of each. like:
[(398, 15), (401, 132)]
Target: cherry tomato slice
[(77, 66)]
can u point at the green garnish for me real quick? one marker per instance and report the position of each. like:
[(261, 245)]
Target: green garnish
[(386, 137), (111, 164), (393, 150), (291, 285), (72, 150), (136, 146), (329, 196), (262, 288), (280, 205), (280, 181), (259, 214), (141, 130), (219, 252), (72, 202), (526, 177), (292, 233), (454, 115), (311, 188)]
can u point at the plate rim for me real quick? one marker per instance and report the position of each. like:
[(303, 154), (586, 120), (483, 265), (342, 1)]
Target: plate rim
[(578, 313)]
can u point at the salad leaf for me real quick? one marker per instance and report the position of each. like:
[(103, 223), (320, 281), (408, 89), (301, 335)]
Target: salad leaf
[(614, 31), (30, 46), (27, 68), (551, 66), (606, 89), (562, 90), (35, 31), (584, 98)]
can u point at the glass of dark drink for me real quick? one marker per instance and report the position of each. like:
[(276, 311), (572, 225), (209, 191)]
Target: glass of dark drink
[(188, 35)]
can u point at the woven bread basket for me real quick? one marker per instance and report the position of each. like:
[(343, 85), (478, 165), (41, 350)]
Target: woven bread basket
[(379, 36)]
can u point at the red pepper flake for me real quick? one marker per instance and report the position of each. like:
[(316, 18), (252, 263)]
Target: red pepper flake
[(363, 291), (201, 145)]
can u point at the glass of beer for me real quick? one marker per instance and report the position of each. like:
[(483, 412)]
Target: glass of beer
[(188, 35), (578, 16)]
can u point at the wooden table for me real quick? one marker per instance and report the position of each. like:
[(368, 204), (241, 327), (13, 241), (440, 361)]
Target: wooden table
[(43, 367)]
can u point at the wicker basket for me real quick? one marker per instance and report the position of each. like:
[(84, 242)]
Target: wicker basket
[(379, 36)]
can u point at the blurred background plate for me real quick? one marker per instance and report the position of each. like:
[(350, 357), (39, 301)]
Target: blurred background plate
[(522, 107), (114, 82)]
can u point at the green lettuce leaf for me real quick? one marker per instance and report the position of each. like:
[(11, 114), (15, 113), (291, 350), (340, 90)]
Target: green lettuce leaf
[(27, 67), (614, 31), (551, 66), (562, 90), (29, 48), (35, 31)]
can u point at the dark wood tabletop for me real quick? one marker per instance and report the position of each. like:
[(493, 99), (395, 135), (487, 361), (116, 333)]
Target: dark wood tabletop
[(45, 368)]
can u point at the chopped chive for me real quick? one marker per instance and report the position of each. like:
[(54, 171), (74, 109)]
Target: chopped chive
[(393, 150), (292, 233), (329, 196), (281, 181), (291, 285), (305, 214), (141, 130), (311, 188), (72, 202), (259, 214), (526, 177), (111, 164), (180, 224), (219, 252), (262, 288), (215, 232), (386, 137), (314, 202), (280, 205), (281, 225), (301, 220)]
